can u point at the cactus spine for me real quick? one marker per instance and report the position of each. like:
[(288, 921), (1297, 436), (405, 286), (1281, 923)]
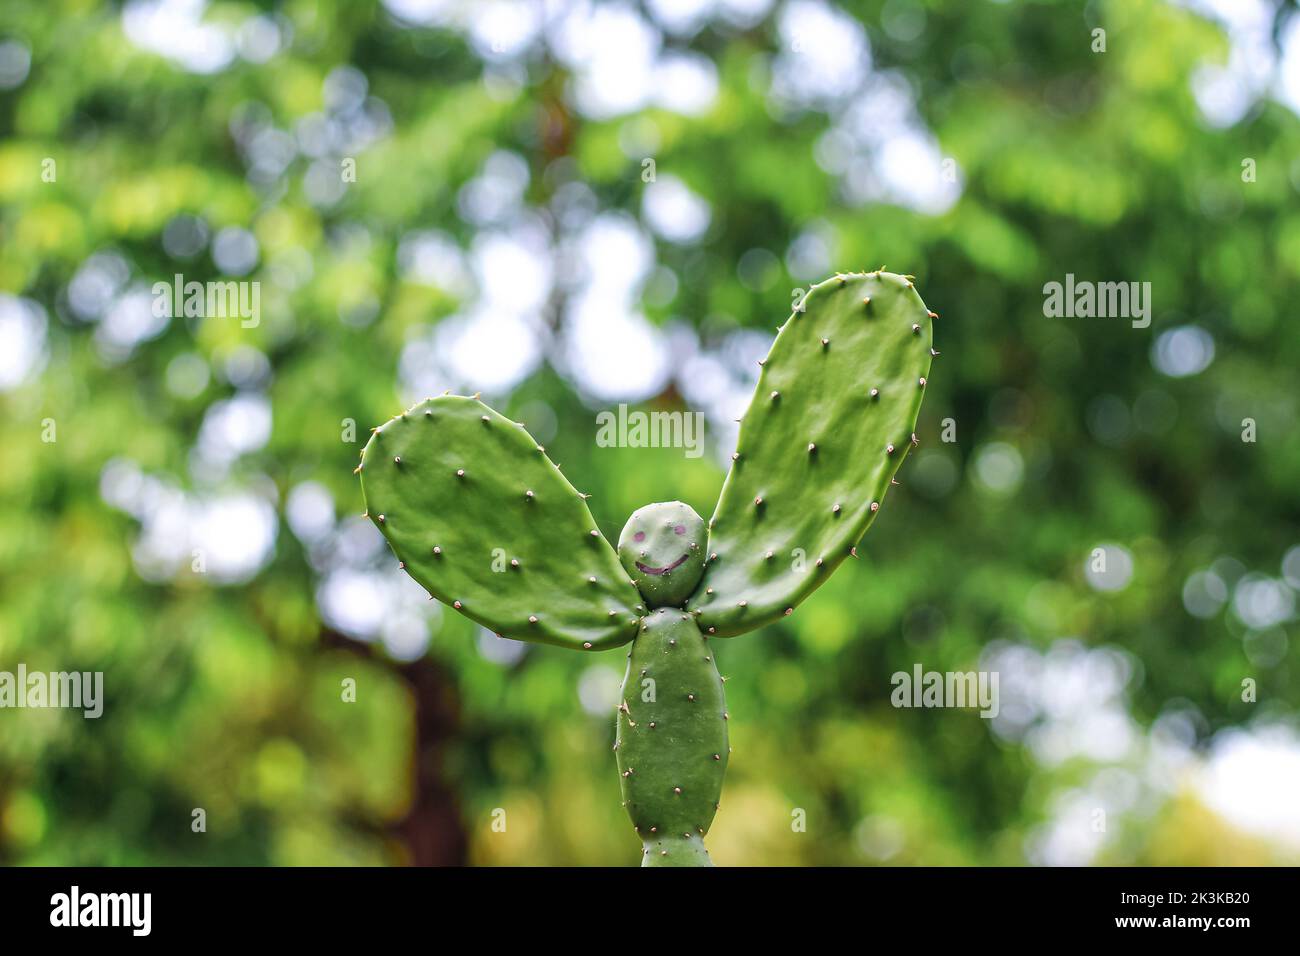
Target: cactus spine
[(478, 514)]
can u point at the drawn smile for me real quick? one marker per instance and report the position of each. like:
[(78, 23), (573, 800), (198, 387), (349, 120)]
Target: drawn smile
[(645, 570)]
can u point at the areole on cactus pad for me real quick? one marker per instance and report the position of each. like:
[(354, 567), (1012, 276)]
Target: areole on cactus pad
[(478, 515)]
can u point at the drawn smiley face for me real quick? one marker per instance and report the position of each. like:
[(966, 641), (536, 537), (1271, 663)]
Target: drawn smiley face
[(662, 548)]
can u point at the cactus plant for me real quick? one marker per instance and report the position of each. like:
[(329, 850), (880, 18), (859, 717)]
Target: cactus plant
[(478, 515)]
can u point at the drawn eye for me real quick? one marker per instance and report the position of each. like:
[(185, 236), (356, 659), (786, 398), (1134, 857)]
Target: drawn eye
[(680, 529), (639, 536)]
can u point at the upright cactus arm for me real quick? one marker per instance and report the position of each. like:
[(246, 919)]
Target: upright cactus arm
[(671, 739), (479, 516), (830, 422)]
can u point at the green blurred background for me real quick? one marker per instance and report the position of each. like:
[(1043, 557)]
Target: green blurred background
[(569, 205)]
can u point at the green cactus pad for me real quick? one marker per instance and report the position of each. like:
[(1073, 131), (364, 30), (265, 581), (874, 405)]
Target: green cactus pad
[(829, 424), (480, 517), (671, 739), (662, 548)]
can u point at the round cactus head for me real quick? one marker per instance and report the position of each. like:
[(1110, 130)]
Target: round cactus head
[(662, 548)]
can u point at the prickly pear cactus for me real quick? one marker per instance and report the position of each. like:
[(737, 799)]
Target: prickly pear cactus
[(672, 739), (830, 422), (662, 548), (477, 513)]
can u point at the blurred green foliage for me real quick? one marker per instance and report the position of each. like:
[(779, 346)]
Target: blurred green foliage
[(226, 696)]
